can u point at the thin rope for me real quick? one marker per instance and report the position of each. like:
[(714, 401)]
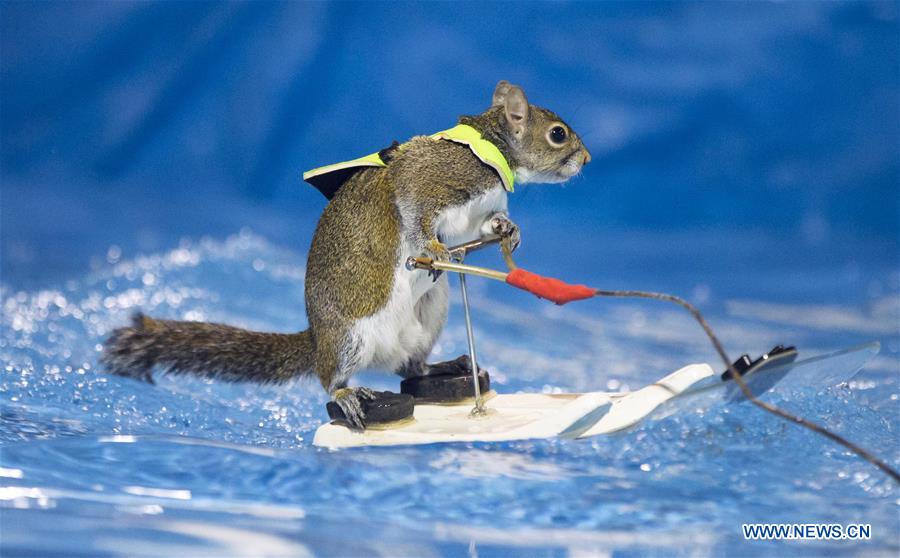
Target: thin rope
[(506, 250), (865, 454)]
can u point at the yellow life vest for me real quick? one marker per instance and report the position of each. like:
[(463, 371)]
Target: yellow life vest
[(330, 178)]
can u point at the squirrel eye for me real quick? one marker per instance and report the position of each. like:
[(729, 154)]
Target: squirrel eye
[(558, 134)]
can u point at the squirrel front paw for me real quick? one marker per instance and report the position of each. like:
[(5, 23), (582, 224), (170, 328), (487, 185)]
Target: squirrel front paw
[(350, 402), (437, 251), (503, 227)]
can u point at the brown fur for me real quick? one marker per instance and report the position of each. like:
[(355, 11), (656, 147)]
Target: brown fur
[(354, 252), (206, 349)]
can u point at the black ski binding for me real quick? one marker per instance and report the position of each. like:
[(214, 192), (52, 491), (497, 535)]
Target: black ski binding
[(445, 388), (386, 408)]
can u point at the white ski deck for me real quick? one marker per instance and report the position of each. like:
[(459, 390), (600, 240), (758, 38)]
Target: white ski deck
[(520, 416)]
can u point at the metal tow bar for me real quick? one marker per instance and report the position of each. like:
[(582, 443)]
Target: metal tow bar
[(458, 255)]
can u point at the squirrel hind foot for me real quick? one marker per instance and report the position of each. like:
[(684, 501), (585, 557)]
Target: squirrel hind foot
[(350, 400), (361, 408)]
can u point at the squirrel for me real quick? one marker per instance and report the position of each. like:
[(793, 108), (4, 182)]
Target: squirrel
[(365, 309)]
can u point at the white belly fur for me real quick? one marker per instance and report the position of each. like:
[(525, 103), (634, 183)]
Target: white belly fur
[(409, 324)]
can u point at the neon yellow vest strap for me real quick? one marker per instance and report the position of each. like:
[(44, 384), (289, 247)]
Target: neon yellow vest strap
[(483, 149), (373, 160), (330, 178)]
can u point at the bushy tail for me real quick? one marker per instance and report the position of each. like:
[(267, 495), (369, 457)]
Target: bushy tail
[(211, 350)]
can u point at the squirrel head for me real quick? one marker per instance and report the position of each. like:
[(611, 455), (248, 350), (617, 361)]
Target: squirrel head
[(539, 146)]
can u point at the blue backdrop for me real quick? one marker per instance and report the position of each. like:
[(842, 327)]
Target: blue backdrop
[(136, 123), (745, 157)]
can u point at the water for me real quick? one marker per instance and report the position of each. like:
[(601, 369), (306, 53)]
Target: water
[(744, 156), (103, 465)]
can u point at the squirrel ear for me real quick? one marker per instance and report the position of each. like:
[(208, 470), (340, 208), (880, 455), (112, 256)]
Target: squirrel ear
[(500, 92), (515, 105)]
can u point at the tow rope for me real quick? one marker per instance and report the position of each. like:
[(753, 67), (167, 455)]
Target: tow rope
[(561, 293)]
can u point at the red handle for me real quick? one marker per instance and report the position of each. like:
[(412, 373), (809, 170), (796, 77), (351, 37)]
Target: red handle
[(547, 287)]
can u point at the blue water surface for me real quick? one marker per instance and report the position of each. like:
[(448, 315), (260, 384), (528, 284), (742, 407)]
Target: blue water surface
[(745, 157), (110, 466)]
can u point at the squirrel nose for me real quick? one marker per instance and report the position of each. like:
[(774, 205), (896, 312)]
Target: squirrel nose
[(587, 156)]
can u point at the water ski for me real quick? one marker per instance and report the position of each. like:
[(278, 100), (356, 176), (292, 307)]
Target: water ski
[(518, 416)]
